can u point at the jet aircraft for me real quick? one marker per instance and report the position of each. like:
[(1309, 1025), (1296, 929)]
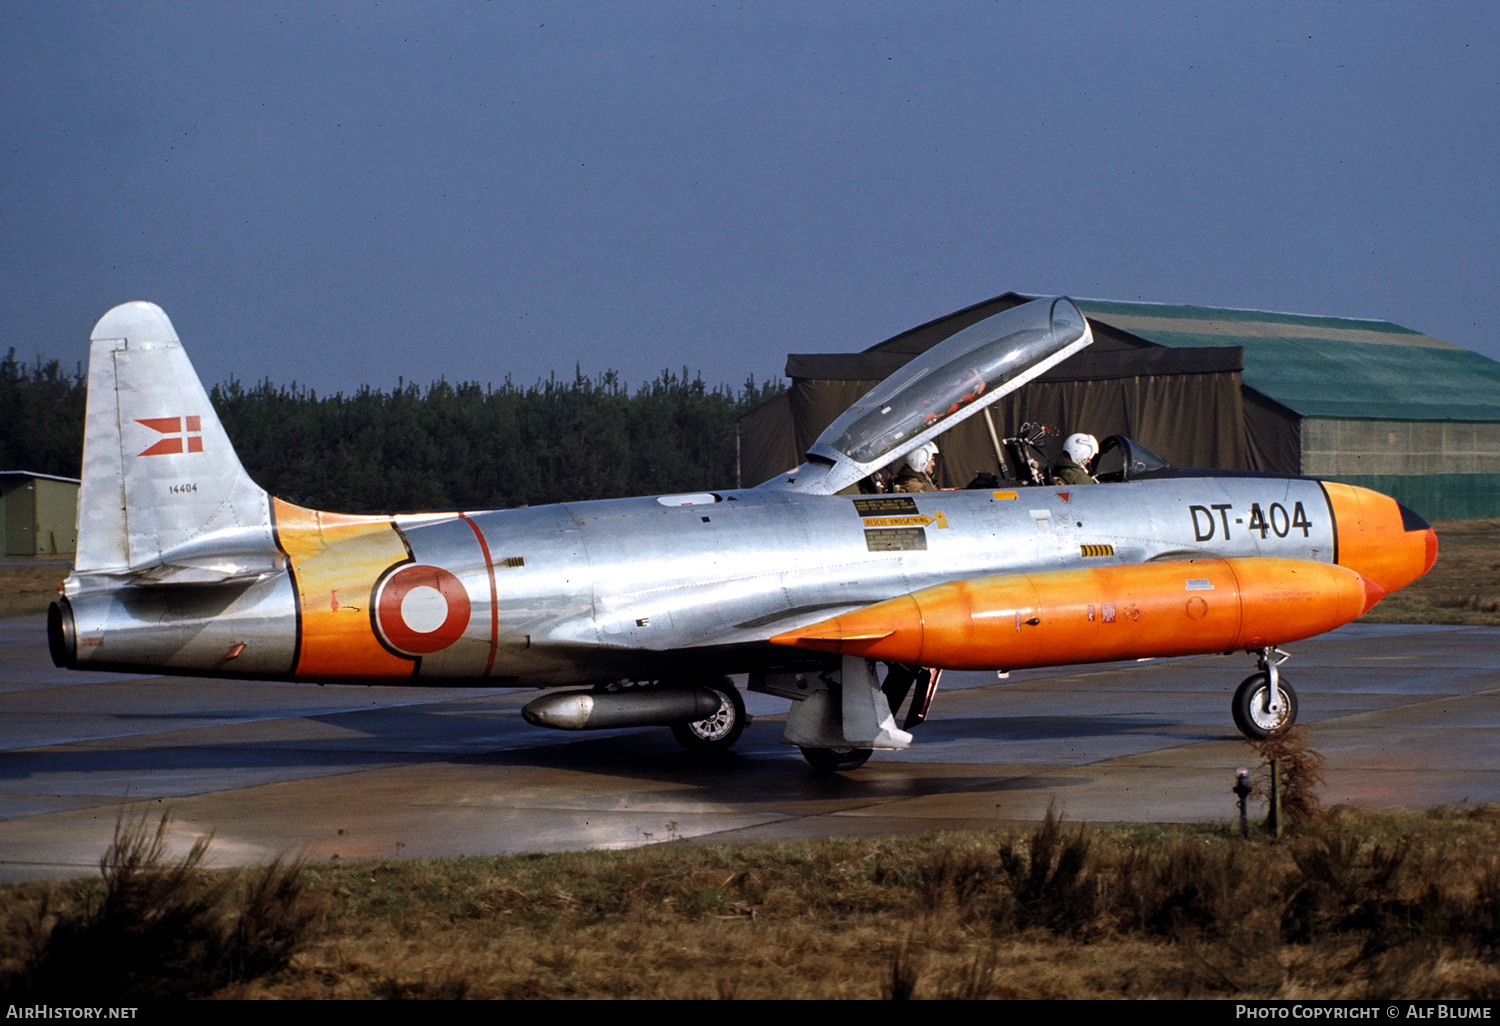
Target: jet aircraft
[(844, 602)]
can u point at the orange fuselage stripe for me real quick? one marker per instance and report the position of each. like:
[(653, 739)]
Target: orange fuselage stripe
[(336, 560)]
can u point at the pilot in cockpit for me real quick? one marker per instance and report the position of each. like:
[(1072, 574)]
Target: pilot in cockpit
[(1079, 451), (917, 469)]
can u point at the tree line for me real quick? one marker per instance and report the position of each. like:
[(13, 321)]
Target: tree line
[(446, 446)]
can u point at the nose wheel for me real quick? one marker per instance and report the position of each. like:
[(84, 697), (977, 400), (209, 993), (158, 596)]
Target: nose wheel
[(1264, 702)]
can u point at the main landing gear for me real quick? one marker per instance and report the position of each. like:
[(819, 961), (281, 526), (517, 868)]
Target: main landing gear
[(900, 680), (719, 731), (1264, 702), (835, 760)]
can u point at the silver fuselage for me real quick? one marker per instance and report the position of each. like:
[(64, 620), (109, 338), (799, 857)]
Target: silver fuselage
[(648, 588)]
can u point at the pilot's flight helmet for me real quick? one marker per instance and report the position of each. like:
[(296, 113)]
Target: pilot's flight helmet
[(1081, 448), (922, 455)]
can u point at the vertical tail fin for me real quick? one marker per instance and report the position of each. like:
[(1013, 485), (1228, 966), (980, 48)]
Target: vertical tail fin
[(163, 493)]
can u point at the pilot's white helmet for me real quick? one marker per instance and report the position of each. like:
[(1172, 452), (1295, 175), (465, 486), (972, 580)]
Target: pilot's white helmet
[(1081, 448), (922, 455)]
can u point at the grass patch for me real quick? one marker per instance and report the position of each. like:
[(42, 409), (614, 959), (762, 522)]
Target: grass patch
[(1349, 905), (1463, 586), (153, 929), (27, 587)]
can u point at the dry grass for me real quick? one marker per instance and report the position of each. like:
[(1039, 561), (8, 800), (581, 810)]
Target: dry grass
[(1301, 768), (27, 587), (1353, 906), (1463, 586), (153, 929)]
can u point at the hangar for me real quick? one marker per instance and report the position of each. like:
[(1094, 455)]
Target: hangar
[(1362, 401), (38, 513)]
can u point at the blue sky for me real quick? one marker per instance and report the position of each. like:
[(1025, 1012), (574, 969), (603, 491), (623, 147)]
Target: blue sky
[(340, 194)]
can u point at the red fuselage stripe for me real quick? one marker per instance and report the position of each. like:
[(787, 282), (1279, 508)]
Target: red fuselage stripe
[(489, 565)]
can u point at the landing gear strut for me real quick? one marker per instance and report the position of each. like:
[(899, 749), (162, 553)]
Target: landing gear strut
[(900, 680), (1265, 702), (838, 725)]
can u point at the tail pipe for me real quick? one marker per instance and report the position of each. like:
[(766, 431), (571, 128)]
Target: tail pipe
[(62, 640)]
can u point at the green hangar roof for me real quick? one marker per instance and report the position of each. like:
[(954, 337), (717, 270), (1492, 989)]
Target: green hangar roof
[(1362, 401), (1327, 366)]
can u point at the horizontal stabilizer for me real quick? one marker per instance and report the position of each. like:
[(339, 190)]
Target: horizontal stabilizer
[(207, 572), (223, 558)]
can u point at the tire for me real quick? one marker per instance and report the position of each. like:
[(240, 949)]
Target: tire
[(835, 760), (719, 732), (1249, 707)]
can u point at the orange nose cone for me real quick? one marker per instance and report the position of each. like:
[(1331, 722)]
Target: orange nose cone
[(1379, 538), (1373, 594)]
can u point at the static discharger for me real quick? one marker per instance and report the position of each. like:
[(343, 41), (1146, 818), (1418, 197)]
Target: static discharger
[(1188, 607)]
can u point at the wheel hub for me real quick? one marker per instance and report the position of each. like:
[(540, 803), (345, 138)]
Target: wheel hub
[(1268, 715), (717, 725)]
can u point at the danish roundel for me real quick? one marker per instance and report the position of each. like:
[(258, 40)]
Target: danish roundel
[(421, 609)]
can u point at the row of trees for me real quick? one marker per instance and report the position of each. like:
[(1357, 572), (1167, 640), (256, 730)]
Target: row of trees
[(41, 417), (466, 446)]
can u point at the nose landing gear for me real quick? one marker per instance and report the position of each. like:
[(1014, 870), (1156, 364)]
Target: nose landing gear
[(1265, 702)]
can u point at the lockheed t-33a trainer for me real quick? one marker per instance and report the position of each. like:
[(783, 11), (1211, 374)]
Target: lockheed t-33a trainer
[(845, 603)]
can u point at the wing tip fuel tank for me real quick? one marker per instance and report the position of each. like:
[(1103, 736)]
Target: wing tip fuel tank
[(1189, 607)]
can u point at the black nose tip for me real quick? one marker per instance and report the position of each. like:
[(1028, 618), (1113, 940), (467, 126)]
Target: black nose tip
[(1410, 521)]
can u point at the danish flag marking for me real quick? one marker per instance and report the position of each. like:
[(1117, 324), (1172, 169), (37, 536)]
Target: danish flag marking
[(184, 434)]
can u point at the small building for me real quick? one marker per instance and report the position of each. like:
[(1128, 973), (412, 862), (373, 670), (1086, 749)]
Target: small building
[(1366, 402), (38, 513)]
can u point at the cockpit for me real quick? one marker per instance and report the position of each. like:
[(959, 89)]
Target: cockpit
[(938, 389), (1123, 459)]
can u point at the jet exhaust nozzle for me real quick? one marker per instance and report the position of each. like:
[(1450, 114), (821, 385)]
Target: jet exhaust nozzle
[(62, 640)]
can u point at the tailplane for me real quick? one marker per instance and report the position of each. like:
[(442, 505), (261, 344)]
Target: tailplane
[(164, 498)]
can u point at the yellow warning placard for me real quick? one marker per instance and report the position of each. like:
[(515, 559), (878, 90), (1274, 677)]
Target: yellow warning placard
[(919, 520)]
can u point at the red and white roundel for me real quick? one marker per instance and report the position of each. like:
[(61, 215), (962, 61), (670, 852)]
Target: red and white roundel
[(421, 609)]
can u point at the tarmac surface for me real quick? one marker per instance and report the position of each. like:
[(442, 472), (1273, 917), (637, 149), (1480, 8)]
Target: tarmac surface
[(1405, 716)]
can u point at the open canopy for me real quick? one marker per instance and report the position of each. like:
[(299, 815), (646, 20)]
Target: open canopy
[(945, 385)]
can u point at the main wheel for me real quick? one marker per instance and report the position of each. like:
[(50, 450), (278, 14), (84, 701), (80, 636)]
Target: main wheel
[(718, 732), (832, 760), (1251, 699)]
